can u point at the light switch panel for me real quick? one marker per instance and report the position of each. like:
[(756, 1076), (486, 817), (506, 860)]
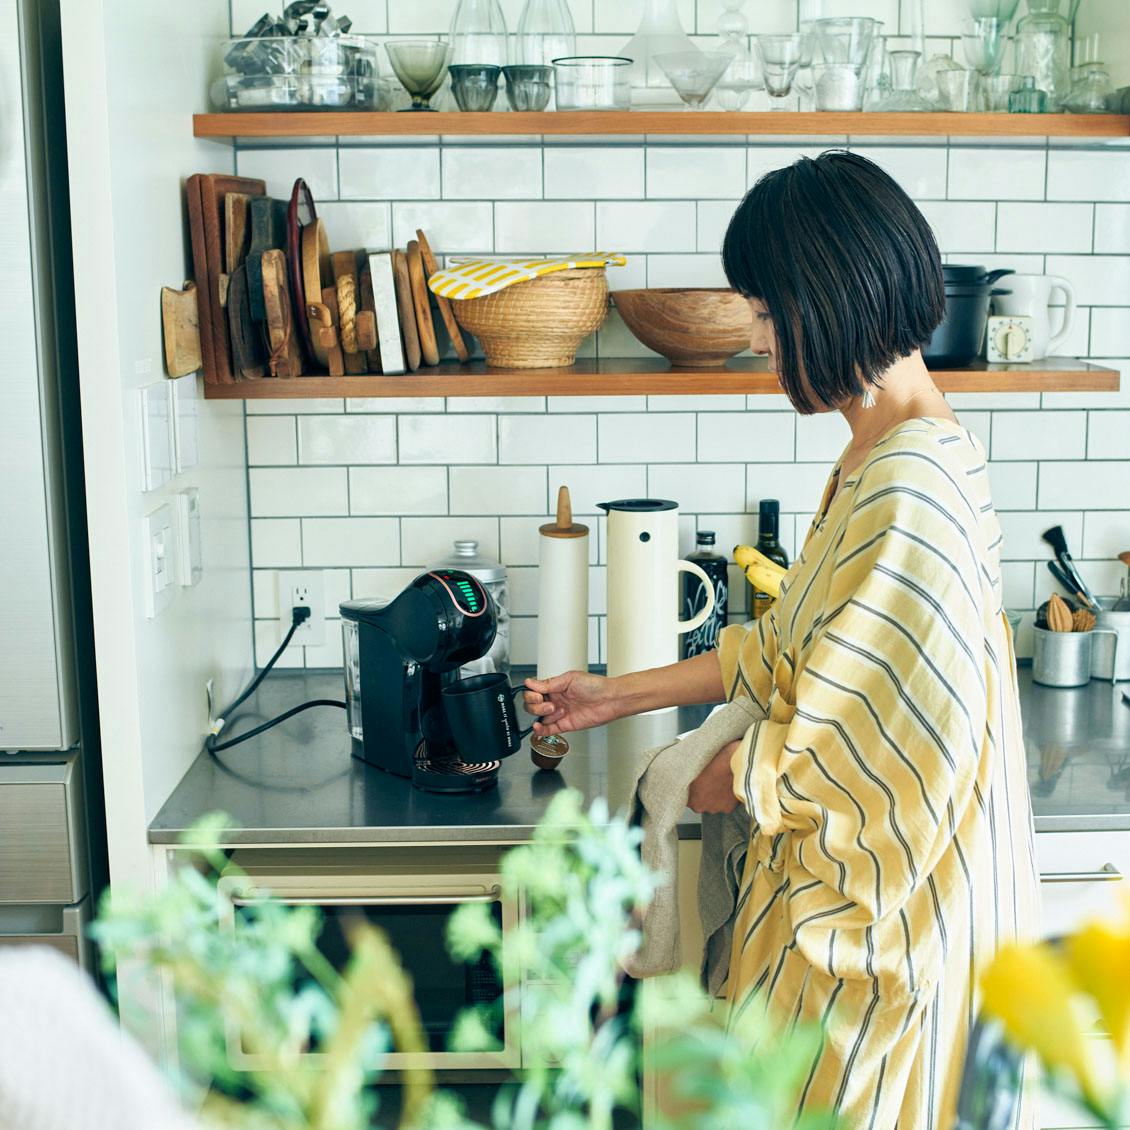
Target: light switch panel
[(190, 557), (160, 562), (186, 444), (156, 435)]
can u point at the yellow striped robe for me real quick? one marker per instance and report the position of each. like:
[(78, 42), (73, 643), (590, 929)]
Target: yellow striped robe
[(892, 849)]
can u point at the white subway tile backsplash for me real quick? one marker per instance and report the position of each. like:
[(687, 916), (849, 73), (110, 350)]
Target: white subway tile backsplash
[(491, 173), (699, 488), (1090, 486), (528, 439), (646, 225), (1099, 280), (596, 403), (533, 227), (744, 437), (1110, 334), (356, 224), (1088, 174), (1112, 229), (343, 542), (639, 438), (1108, 437), (398, 490), (304, 406), (1044, 228), (452, 227), (718, 403), (589, 485), (390, 405), (425, 541), (594, 172), (685, 270), (762, 159), (820, 438), (294, 492), (498, 490), (390, 172), (1013, 485), (447, 439), (989, 174), (499, 404), (713, 219), (962, 225), (1022, 532), (797, 486), (1017, 581), (677, 172), (919, 169), (1106, 534), (276, 541), (382, 584), (346, 439), (278, 168), (1039, 435), (271, 441)]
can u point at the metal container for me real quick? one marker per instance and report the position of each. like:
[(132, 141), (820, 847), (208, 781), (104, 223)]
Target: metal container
[(492, 574), (1061, 659), (1110, 658)]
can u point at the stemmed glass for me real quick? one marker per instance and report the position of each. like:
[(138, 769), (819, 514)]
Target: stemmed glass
[(983, 41), (780, 57), (693, 73), (421, 65)]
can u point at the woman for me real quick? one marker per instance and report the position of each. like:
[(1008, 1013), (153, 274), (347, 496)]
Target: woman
[(891, 850)]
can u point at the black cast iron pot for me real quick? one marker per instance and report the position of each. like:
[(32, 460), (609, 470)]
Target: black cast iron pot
[(958, 338)]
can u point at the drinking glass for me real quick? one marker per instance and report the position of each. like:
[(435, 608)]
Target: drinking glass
[(838, 86), (994, 91), (957, 90), (420, 64), (780, 57), (693, 73), (845, 39), (983, 41), (474, 87), (528, 87), (742, 76)]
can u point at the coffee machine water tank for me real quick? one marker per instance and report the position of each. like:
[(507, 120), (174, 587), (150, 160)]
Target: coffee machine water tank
[(492, 574)]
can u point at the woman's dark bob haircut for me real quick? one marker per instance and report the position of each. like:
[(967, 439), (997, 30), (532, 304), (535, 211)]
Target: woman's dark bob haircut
[(848, 270)]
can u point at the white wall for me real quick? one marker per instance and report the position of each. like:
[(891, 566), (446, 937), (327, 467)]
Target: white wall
[(134, 72)]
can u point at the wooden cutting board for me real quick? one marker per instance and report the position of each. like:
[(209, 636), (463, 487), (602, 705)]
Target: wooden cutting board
[(406, 310), (181, 328), (344, 265), (211, 277), (213, 373), (286, 359), (237, 230), (249, 355), (368, 304), (443, 304), (429, 350), (316, 275)]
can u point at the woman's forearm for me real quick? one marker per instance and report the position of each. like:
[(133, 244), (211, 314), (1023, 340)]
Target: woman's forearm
[(689, 683)]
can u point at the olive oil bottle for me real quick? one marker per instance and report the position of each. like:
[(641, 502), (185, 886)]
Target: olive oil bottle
[(768, 531)]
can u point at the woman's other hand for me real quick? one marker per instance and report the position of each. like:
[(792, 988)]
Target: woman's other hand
[(573, 701), (713, 789)]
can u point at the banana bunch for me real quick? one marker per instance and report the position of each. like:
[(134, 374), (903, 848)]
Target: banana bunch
[(763, 574)]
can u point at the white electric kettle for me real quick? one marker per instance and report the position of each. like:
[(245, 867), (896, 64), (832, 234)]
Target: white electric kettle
[(643, 585), (1030, 296)]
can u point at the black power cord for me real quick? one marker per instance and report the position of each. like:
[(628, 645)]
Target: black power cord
[(299, 616)]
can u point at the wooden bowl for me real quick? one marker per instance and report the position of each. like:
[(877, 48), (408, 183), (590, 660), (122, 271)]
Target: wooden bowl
[(695, 328)]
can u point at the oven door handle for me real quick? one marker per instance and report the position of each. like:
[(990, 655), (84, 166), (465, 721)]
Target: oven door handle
[(493, 895), (1108, 873)]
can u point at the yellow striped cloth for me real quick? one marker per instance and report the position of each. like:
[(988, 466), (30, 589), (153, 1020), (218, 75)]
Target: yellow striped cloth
[(892, 850), (473, 278)]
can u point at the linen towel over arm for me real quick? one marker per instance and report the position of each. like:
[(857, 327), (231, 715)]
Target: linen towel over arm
[(874, 755)]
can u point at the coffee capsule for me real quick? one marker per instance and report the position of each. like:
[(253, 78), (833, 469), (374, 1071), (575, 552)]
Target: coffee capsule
[(547, 752)]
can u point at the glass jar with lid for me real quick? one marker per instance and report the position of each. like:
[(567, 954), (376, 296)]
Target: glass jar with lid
[(492, 574), (1043, 50)]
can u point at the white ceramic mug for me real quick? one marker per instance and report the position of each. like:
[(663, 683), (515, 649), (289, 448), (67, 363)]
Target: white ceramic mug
[(1030, 295)]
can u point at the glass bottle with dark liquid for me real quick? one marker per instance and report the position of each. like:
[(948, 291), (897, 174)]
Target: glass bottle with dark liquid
[(768, 530), (705, 637)]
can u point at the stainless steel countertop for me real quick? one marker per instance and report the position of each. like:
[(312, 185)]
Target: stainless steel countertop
[(298, 783)]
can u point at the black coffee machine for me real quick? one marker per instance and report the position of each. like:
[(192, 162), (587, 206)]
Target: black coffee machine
[(398, 657)]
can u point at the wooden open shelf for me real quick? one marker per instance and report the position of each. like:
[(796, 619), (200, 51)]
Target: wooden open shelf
[(362, 123), (648, 377)]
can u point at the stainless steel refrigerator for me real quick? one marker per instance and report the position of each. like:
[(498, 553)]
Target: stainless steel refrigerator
[(52, 833)]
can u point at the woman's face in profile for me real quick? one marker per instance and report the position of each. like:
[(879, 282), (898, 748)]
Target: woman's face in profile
[(762, 339)]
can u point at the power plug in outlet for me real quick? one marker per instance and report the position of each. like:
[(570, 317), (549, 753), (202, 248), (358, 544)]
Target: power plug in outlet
[(303, 588)]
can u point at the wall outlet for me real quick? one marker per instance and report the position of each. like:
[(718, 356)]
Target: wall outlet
[(303, 587)]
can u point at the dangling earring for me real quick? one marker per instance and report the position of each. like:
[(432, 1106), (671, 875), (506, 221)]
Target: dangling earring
[(867, 400)]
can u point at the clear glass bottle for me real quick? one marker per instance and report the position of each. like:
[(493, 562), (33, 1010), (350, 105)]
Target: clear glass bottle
[(466, 556), (478, 33), (545, 33), (1090, 86), (1027, 99), (743, 75), (903, 97), (660, 31), (1043, 50)]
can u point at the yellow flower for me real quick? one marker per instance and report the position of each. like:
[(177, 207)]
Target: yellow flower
[(1099, 956), (1029, 989)]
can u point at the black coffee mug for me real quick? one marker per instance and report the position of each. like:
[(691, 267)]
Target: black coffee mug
[(482, 717)]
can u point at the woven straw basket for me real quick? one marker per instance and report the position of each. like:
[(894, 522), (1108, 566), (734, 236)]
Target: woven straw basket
[(537, 324)]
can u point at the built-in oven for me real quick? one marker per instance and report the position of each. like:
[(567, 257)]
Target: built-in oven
[(410, 894)]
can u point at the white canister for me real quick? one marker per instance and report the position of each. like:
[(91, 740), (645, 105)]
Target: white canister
[(643, 585), (1030, 296)]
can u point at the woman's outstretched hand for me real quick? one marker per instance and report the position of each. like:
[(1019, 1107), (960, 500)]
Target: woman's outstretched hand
[(573, 701), (713, 789)]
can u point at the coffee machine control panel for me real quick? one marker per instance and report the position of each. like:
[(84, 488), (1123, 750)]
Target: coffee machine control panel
[(466, 592)]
